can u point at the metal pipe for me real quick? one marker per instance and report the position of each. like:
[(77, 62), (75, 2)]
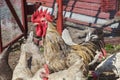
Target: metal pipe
[(24, 17), (60, 17), (1, 48)]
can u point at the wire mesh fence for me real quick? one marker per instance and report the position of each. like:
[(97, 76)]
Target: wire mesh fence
[(9, 27)]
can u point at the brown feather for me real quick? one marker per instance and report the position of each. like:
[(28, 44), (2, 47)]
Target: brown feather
[(60, 56), (54, 49)]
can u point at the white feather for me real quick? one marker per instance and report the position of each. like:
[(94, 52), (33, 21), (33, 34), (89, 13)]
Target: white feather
[(110, 64), (67, 38)]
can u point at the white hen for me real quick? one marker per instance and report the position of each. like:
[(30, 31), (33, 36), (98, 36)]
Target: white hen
[(37, 57), (21, 70), (110, 64)]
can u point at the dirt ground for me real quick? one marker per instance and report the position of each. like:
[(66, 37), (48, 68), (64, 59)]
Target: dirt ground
[(14, 57)]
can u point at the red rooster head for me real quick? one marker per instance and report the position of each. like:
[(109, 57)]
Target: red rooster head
[(41, 18)]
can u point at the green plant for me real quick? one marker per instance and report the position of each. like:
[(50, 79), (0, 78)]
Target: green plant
[(109, 48), (112, 48)]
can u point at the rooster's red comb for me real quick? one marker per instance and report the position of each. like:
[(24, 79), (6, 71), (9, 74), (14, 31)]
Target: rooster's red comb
[(45, 14)]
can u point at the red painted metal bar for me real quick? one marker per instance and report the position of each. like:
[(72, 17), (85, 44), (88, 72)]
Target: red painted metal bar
[(1, 48), (13, 41), (19, 24), (24, 17), (14, 14), (60, 17)]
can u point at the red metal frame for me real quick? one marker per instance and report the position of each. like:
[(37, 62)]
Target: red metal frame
[(60, 17), (13, 41), (24, 17), (22, 25)]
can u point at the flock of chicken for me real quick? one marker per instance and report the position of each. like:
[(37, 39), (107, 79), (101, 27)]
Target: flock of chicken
[(62, 59)]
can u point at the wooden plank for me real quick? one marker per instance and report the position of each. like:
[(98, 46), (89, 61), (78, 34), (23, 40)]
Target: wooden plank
[(51, 1), (107, 28), (82, 11), (88, 1), (83, 5), (91, 1), (79, 22), (89, 12), (85, 11), (114, 40), (33, 1), (80, 7), (81, 17)]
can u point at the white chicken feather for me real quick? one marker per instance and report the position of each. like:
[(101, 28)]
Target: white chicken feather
[(110, 64)]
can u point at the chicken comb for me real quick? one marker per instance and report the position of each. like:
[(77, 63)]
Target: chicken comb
[(35, 15), (41, 10), (45, 11), (45, 14)]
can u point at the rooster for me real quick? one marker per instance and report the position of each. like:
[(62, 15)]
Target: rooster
[(58, 55)]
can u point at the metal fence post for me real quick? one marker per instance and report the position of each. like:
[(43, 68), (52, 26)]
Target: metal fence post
[(1, 47), (24, 17), (60, 17)]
